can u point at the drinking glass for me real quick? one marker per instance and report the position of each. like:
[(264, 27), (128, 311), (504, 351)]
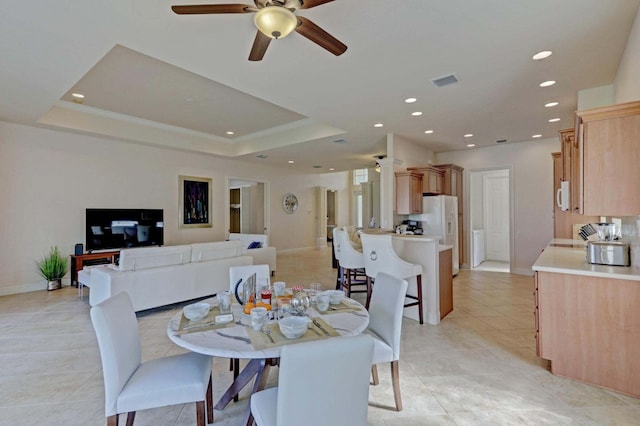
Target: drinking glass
[(279, 287), (322, 301), (224, 302), (258, 318), (315, 289)]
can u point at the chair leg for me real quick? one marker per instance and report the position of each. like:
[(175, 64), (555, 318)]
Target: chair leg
[(348, 272), (419, 281), (131, 416), (210, 401), (112, 420), (395, 379), (200, 413), (236, 372), (374, 375), (369, 291), (339, 277)]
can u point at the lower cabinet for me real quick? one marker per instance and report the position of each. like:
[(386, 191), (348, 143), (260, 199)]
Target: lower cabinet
[(446, 282), (588, 327)]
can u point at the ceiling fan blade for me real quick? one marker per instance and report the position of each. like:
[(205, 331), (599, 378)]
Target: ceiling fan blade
[(308, 4), (196, 9), (319, 36), (260, 45)]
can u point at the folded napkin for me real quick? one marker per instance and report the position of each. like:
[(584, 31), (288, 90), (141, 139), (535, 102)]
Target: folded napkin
[(207, 323), (341, 307), (260, 341)]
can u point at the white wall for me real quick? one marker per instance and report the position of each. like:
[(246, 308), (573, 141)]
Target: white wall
[(627, 83), (408, 154), (532, 176), (48, 178)]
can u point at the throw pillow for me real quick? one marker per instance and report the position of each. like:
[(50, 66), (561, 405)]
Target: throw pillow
[(254, 245)]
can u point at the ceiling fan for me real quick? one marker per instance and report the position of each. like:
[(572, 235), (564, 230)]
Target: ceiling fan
[(274, 19)]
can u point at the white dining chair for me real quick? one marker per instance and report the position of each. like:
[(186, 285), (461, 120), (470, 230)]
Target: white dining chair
[(352, 264), (385, 325), (315, 390), (131, 385), (237, 273), (379, 256)]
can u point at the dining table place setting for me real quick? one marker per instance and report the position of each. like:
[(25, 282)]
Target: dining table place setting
[(272, 335), (202, 316)]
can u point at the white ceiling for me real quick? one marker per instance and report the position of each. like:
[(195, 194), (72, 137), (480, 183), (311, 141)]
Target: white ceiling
[(151, 76)]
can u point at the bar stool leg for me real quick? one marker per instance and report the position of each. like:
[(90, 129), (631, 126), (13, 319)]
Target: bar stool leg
[(419, 281)]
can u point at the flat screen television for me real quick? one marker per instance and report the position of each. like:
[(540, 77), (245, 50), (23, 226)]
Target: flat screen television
[(123, 228)]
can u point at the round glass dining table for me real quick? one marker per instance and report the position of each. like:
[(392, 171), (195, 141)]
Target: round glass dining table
[(234, 341)]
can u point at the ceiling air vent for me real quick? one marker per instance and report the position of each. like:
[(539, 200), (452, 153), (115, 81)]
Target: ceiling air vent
[(445, 81), (501, 141)]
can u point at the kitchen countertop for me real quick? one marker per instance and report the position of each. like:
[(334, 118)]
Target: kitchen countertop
[(567, 256), (409, 237)]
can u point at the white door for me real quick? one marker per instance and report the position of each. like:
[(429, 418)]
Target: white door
[(496, 216)]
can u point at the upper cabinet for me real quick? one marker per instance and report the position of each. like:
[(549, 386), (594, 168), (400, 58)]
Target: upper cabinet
[(432, 179), (409, 192), (608, 161)]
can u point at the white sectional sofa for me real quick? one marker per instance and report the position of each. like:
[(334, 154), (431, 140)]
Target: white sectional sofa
[(264, 255), (158, 276)]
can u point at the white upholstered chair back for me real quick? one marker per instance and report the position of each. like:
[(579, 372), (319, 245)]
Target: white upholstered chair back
[(116, 327), (379, 256), (385, 311), (350, 258), (315, 390)]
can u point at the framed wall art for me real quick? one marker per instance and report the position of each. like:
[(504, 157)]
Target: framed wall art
[(195, 202)]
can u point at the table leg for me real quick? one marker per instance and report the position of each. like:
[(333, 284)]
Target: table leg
[(258, 385), (254, 367)]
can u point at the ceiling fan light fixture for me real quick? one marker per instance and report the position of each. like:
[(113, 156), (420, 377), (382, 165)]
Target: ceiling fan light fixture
[(275, 21)]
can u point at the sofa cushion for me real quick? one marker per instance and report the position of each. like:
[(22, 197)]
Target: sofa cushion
[(202, 252), (153, 257)]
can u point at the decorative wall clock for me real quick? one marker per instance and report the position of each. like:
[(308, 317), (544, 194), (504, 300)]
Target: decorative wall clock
[(290, 203)]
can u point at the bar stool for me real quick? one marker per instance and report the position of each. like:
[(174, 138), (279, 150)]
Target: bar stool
[(352, 264), (379, 256)]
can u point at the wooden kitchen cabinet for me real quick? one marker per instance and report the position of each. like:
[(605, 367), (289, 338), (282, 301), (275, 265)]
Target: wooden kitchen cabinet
[(608, 160), (409, 192), (432, 180), (445, 274), (563, 221), (587, 326)]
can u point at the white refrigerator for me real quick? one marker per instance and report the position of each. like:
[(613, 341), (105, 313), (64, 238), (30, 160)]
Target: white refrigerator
[(440, 217)]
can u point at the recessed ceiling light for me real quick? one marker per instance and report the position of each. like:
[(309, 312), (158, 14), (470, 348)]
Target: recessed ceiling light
[(262, 156), (410, 100), (553, 120), (290, 161), (317, 167), (230, 133), (331, 169), (536, 136), (542, 55), (428, 131), (547, 83), (378, 125), (340, 141), (416, 114), (78, 95), (468, 135), (551, 104), (471, 145)]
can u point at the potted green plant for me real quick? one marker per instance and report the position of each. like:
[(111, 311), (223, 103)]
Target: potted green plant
[(53, 267)]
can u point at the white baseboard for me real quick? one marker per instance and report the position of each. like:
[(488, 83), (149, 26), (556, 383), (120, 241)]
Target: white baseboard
[(29, 287)]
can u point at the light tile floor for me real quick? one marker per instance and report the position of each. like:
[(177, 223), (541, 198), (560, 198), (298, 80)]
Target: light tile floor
[(478, 367)]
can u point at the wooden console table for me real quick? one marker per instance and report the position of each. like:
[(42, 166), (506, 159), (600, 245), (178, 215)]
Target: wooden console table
[(78, 262)]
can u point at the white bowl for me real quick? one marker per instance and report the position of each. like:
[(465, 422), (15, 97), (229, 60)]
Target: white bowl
[(293, 327), (335, 296), (196, 311)]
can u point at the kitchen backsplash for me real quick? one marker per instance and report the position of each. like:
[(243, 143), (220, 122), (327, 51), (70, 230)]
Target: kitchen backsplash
[(631, 232)]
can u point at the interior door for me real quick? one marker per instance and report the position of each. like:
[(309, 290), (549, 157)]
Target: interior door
[(496, 216)]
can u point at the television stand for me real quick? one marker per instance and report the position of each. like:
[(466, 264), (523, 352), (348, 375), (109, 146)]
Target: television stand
[(79, 261)]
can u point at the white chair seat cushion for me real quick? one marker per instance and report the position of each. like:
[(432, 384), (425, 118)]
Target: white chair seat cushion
[(381, 351), (263, 406), (166, 381)]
